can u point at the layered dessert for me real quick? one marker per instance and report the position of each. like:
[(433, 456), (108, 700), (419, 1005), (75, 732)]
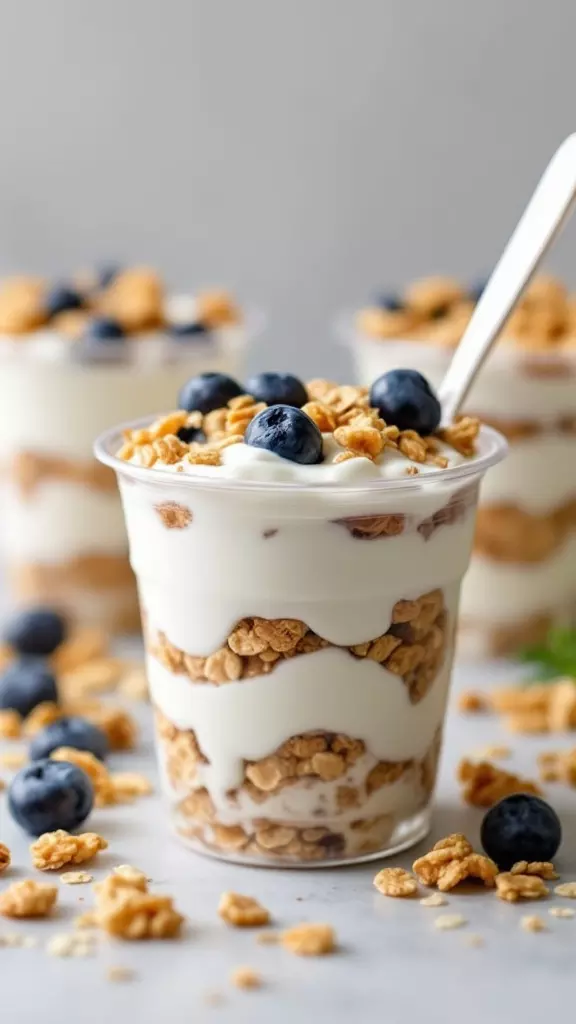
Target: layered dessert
[(73, 356), (522, 577), (299, 551)]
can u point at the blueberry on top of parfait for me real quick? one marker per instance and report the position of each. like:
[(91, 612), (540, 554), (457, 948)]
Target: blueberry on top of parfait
[(277, 389), (405, 400), (287, 432), (208, 391), (36, 631), (62, 297)]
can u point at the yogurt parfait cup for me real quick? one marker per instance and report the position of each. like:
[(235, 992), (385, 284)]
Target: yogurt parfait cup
[(522, 576), (299, 625), (64, 376)]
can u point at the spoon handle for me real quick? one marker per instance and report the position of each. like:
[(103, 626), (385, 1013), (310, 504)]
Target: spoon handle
[(543, 218)]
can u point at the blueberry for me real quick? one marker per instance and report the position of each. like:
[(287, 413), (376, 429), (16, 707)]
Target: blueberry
[(26, 683), (391, 303), (48, 795), (405, 399), (277, 389), (475, 292), (70, 732), (208, 391), (189, 434), (36, 631), (520, 827), (104, 328), (192, 329), (288, 432), (106, 274), (62, 297)]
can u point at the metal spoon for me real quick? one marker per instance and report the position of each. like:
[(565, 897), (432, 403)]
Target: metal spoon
[(544, 217)]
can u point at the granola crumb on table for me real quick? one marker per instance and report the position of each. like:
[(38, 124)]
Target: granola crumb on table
[(309, 939), (396, 882), (246, 978), (28, 899), (532, 923), (451, 861), (5, 858), (127, 911), (512, 888), (52, 850), (242, 911), (484, 784)]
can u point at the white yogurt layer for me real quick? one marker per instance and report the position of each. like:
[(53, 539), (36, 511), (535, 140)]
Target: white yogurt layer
[(60, 521), (538, 476), (498, 592)]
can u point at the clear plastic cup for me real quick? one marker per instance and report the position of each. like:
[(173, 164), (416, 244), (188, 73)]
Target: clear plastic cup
[(522, 576), (299, 651), (63, 534)]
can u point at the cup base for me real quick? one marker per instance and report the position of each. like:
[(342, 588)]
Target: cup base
[(405, 835)]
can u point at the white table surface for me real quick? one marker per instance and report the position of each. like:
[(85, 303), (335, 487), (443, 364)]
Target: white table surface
[(393, 966)]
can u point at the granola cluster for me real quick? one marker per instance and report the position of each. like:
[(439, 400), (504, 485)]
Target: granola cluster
[(438, 309), (558, 766), (548, 707), (342, 411), (414, 647), (396, 882), (28, 899), (127, 910), (53, 850), (5, 857), (452, 860), (484, 784), (242, 911), (135, 298)]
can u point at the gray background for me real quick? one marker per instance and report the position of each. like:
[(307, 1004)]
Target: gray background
[(304, 152)]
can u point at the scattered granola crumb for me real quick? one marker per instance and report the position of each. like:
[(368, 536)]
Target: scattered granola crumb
[(471, 702), (268, 938), (242, 911), (532, 923), (436, 899), (567, 889), (13, 760), (86, 920), (70, 945), (396, 882), (5, 858), (10, 724), (41, 716), (474, 941), (561, 911), (309, 939), (512, 888), (53, 850), (125, 910), (493, 752), (128, 786), (28, 899), (76, 878), (15, 940), (246, 978), (484, 784), (451, 861), (120, 974), (132, 875), (134, 683), (447, 922), (544, 869)]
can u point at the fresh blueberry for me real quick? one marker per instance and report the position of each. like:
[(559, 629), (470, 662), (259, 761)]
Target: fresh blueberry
[(47, 795), (104, 328), (405, 400), (70, 732), (190, 434), (36, 631), (106, 274), (288, 432), (277, 389), (208, 391), (520, 827), (391, 303), (62, 297), (26, 683), (192, 329), (477, 289)]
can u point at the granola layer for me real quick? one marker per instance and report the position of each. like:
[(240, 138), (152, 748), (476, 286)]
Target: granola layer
[(29, 469), (509, 534), (414, 647)]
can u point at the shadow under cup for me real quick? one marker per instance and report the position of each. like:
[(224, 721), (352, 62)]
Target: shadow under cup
[(299, 649)]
